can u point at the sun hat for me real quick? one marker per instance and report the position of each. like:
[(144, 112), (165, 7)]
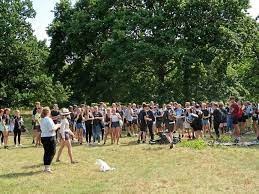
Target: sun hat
[(64, 111)]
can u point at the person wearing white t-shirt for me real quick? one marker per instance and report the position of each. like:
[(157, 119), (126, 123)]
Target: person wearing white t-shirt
[(48, 138)]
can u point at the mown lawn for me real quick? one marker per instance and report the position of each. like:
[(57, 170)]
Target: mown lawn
[(139, 169)]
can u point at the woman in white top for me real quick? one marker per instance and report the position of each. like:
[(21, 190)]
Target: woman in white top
[(115, 125), (48, 138), (65, 133)]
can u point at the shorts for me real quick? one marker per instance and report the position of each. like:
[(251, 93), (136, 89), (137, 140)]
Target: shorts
[(79, 126), (169, 126), (135, 121), (67, 136), (205, 122), (242, 119), (143, 128), (234, 120), (179, 123), (37, 128), (115, 124)]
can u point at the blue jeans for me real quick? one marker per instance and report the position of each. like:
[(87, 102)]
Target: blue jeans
[(97, 131)]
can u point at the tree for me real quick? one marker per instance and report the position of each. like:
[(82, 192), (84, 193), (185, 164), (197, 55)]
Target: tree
[(152, 50), (23, 58)]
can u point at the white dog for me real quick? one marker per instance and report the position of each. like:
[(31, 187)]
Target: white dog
[(103, 166)]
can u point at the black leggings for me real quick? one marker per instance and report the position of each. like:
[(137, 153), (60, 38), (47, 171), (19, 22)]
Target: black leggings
[(88, 133), (216, 127), (151, 132), (49, 145), (17, 133), (2, 137)]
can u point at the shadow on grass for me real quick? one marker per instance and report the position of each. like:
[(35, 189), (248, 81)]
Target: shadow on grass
[(19, 174), (32, 166), (130, 143)]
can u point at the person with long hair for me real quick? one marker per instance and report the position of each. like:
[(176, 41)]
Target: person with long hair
[(107, 124), (7, 126), (236, 113), (18, 123), (79, 125), (88, 116), (97, 124), (48, 138), (115, 125), (205, 120), (34, 134), (65, 134), (37, 130)]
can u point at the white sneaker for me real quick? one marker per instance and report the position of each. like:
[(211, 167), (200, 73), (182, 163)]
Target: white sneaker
[(16, 145), (20, 145)]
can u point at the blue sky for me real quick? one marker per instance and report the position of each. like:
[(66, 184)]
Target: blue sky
[(44, 15)]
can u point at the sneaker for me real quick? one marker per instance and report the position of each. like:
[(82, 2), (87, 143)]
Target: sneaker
[(171, 146), (16, 146), (57, 160), (143, 141), (20, 145), (48, 171), (138, 141)]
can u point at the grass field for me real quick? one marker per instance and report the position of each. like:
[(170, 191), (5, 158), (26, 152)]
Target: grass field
[(139, 169)]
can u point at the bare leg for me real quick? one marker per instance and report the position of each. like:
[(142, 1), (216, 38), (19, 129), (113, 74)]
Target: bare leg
[(62, 144), (69, 149)]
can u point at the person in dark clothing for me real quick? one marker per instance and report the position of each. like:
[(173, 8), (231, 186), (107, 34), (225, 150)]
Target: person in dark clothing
[(150, 122), (18, 122), (142, 120), (169, 121), (88, 124), (217, 118), (196, 121)]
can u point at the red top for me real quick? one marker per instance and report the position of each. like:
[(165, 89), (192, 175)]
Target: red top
[(234, 109)]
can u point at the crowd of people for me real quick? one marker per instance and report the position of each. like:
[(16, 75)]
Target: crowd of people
[(97, 123)]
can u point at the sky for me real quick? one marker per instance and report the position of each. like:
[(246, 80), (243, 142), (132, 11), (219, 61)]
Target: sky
[(45, 15)]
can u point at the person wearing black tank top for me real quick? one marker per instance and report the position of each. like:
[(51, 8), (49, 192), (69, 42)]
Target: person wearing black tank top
[(107, 124), (79, 125), (88, 124)]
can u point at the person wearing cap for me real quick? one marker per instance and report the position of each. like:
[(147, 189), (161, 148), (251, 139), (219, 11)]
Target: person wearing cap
[(65, 134)]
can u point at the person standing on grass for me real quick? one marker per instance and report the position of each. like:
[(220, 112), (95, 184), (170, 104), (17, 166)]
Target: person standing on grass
[(107, 123), (216, 118), (129, 118), (159, 119), (1, 127), (255, 117), (115, 125), (37, 105), (7, 126), (79, 125), (55, 117), (142, 120), (37, 130), (48, 138), (169, 121), (97, 125), (18, 123), (88, 124), (179, 115), (223, 122), (205, 120), (65, 134), (135, 119), (150, 120), (234, 110)]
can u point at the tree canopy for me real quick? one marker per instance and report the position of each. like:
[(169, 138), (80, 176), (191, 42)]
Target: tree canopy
[(136, 50), (23, 72)]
